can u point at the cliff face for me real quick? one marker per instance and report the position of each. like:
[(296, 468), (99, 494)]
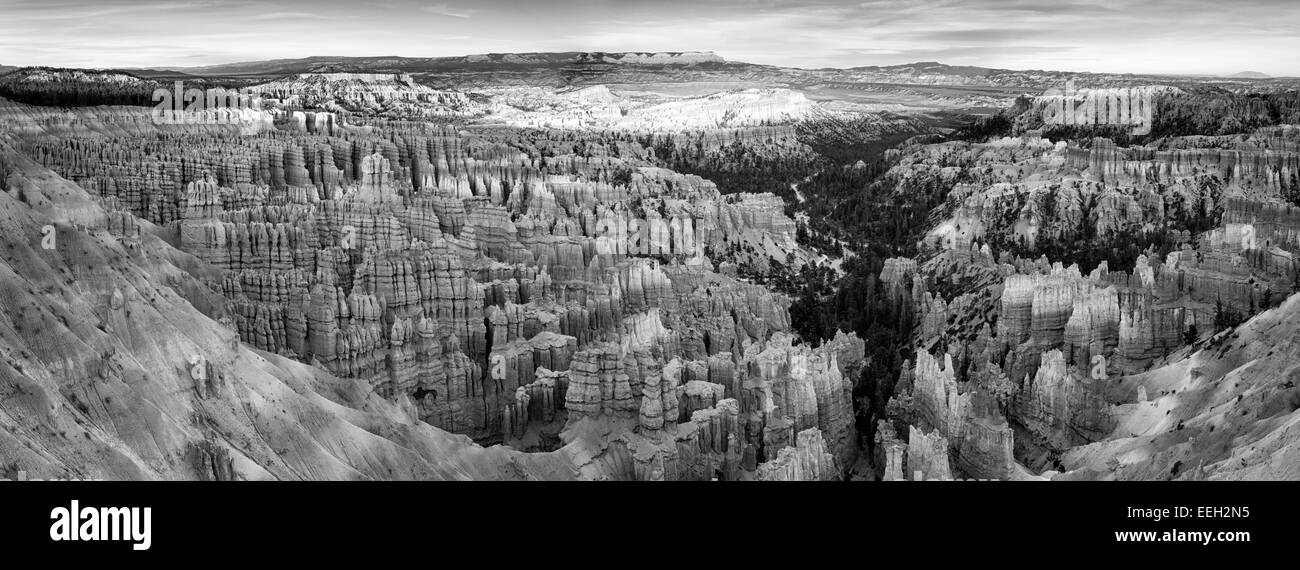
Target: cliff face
[(309, 102), (806, 461), (596, 107), (1039, 196), (793, 388), (387, 94), (555, 302), (963, 425)]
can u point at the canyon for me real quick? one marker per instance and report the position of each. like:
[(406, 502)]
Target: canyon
[(643, 266)]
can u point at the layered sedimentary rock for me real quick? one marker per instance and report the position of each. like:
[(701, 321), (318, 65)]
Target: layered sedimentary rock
[(797, 388), (806, 460), (395, 95), (596, 107), (118, 354), (1192, 234), (891, 453), (490, 292), (1062, 406), (965, 414), (987, 448), (927, 456), (897, 277)]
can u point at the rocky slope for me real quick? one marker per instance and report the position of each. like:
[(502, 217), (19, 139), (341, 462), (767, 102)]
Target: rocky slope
[(1222, 409)]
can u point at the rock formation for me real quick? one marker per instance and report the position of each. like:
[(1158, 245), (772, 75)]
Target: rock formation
[(509, 296)]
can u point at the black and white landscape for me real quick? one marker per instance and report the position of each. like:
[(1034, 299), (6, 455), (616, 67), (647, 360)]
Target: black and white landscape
[(711, 240)]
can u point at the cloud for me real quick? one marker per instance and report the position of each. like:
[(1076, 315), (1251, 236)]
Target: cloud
[(446, 10), (291, 16), (1184, 36)]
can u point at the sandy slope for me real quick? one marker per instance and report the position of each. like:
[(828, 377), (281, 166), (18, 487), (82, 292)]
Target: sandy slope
[(1231, 407)]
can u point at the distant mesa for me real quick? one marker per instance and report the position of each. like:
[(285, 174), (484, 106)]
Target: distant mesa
[(931, 68), (1250, 75), (57, 75), (652, 58)]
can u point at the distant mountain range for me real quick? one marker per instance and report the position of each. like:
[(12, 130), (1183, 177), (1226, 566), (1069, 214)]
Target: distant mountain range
[(580, 69), (449, 64)]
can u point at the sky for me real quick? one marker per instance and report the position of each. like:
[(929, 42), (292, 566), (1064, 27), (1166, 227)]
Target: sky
[(1122, 36)]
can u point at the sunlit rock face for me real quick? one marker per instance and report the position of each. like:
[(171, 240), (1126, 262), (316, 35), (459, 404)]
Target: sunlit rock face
[(597, 107), (653, 58), (391, 94)]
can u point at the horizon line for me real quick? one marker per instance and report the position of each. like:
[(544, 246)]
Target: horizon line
[(182, 68)]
